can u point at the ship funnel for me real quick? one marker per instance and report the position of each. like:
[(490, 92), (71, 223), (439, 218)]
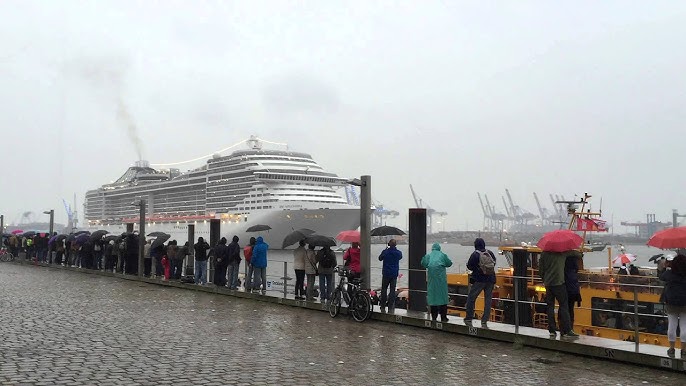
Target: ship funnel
[(142, 164)]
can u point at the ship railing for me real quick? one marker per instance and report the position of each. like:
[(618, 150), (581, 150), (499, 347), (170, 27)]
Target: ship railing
[(623, 310)]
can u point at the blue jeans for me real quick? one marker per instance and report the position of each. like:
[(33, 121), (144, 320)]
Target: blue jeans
[(474, 291), (325, 285), (260, 277), (387, 293), (233, 275), (201, 272)]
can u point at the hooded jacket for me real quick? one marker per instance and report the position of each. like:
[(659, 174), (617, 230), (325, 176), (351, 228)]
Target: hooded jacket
[(221, 253), (675, 289), (473, 262), (259, 254), (437, 285)]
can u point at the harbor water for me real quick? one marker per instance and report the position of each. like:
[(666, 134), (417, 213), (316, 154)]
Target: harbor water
[(459, 255)]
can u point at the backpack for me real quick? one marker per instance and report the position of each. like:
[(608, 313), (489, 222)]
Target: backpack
[(328, 260), (486, 263)]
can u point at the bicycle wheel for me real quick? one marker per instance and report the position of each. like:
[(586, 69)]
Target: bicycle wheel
[(361, 306), (335, 304), (6, 257)]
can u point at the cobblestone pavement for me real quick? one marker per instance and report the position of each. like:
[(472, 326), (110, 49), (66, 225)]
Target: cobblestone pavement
[(66, 328)]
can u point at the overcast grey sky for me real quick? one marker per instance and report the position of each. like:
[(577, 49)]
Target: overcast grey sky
[(454, 97)]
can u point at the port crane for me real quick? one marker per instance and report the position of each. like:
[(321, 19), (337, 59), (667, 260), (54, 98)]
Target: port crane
[(430, 212), (380, 212)]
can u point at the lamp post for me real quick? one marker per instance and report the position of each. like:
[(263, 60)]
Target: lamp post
[(2, 229), (365, 184), (51, 212)]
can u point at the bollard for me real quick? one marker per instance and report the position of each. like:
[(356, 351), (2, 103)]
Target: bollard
[(636, 319)]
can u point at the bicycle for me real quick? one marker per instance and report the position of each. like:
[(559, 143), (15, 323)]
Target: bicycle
[(358, 300), (6, 255)]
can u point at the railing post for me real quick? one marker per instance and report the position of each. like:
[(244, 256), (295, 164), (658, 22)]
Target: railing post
[(636, 339), (516, 300), (285, 279)]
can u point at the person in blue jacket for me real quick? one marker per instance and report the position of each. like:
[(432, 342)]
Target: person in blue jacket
[(391, 257), (259, 263), (479, 281)]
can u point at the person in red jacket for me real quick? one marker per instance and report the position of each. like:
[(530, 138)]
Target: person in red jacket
[(352, 258), (166, 266), (247, 254)]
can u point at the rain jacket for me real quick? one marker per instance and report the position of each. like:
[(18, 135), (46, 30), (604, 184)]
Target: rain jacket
[(551, 268), (675, 289), (247, 253), (259, 254), (572, 275), (473, 262), (310, 262), (352, 259), (299, 258), (391, 257), (320, 257), (437, 287)]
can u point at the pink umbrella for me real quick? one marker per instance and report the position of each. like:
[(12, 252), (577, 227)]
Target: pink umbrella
[(624, 258), (349, 236), (17, 231)]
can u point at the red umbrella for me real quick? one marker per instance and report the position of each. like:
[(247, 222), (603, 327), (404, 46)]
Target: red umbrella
[(560, 241), (349, 236), (17, 231), (669, 238), (624, 258)]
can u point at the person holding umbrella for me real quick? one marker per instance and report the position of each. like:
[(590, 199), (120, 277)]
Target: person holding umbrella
[(259, 263), (674, 296), (390, 257), (299, 255)]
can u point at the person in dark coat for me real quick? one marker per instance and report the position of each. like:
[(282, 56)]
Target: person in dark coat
[(201, 248), (390, 257), (572, 284), (132, 254), (481, 282), (234, 262), (221, 253), (674, 296)]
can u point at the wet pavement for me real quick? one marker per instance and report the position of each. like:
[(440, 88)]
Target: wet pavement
[(59, 327)]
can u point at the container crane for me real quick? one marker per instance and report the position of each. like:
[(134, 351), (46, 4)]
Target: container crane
[(380, 212), (429, 211), (487, 214), (543, 211)]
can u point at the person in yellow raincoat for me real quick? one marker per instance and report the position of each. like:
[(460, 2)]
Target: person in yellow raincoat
[(437, 287)]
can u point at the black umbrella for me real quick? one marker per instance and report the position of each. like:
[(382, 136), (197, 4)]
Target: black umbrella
[(97, 235), (61, 237), (386, 231), (296, 236), (320, 241), (80, 232), (28, 234), (656, 257), (258, 228), (159, 240), (109, 238), (157, 234)]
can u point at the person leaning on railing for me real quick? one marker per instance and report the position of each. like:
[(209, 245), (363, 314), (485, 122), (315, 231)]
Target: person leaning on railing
[(674, 296)]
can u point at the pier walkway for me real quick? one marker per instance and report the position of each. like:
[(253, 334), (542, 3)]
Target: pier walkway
[(79, 327)]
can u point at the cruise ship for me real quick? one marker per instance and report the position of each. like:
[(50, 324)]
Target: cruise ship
[(283, 189)]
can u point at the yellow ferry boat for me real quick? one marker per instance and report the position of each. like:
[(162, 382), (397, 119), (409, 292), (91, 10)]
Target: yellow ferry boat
[(608, 299)]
